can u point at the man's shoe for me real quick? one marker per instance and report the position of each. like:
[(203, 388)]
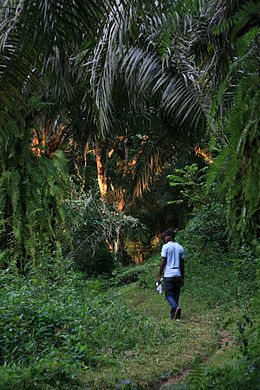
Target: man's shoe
[(177, 314)]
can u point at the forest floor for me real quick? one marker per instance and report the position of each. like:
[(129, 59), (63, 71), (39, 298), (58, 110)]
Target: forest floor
[(116, 333), (219, 356), (204, 335)]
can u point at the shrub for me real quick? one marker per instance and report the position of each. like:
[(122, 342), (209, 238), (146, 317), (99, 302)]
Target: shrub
[(51, 331), (41, 375), (206, 232), (97, 263)]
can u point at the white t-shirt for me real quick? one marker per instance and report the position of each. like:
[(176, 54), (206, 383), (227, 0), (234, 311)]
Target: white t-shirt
[(173, 252)]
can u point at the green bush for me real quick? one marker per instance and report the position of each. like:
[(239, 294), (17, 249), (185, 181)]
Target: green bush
[(95, 263), (53, 330), (145, 274), (125, 275), (39, 375), (239, 373), (206, 233)]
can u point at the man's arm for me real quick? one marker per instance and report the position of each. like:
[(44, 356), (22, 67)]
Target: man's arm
[(182, 271), (162, 264)]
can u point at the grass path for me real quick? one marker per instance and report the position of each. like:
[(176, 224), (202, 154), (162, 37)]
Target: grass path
[(73, 333), (117, 333), (198, 335), (226, 343)]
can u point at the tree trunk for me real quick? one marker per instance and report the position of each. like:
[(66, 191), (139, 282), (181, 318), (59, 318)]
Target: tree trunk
[(101, 172)]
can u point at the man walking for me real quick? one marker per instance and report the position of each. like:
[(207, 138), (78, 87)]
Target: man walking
[(173, 264)]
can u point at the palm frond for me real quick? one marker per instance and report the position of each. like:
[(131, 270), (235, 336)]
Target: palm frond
[(42, 37), (128, 51), (150, 163)]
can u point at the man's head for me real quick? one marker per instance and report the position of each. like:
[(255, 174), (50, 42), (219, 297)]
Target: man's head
[(168, 235)]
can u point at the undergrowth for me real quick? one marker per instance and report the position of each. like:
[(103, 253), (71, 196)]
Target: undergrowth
[(69, 332)]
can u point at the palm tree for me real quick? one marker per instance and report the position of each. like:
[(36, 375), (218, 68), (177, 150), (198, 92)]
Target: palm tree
[(129, 78)]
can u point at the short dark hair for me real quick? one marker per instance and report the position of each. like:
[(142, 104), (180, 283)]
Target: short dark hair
[(169, 232)]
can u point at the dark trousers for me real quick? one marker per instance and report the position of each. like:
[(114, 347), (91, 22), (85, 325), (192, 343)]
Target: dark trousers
[(172, 288)]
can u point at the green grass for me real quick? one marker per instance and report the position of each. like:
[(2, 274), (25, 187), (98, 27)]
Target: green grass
[(182, 343), (71, 333)]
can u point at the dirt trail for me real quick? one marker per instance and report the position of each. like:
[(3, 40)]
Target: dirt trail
[(226, 342)]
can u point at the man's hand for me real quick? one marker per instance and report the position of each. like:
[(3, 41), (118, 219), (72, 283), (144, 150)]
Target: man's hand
[(182, 282), (159, 280)]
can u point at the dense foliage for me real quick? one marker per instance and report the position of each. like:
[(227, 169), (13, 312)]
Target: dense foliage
[(169, 77), (32, 195), (64, 331)]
